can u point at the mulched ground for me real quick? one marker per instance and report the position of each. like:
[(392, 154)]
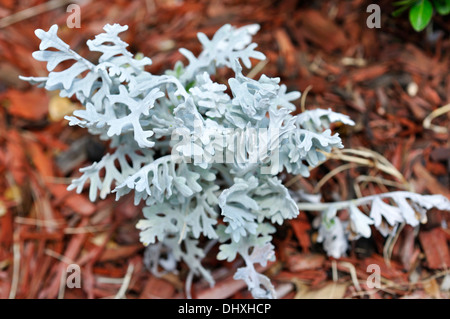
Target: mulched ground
[(388, 80)]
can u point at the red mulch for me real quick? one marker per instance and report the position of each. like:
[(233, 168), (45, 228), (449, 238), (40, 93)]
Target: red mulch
[(388, 80)]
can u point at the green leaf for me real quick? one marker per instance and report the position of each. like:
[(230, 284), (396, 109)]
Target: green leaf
[(420, 15), (442, 6)]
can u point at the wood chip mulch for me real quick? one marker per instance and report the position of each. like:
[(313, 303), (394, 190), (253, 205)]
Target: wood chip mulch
[(388, 80)]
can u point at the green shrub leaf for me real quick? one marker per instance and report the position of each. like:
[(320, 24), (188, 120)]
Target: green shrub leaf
[(420, 15), (442, 6)]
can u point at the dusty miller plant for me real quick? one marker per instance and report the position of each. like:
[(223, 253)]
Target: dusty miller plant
[(189, 201)]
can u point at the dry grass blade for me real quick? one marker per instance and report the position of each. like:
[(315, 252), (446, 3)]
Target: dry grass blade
[(436, 113), (352, 271), (368, 158), (126, 282), (258, 68), (332, 173), (16, 268), (303, 98)]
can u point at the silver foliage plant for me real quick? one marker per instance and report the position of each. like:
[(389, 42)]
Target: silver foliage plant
[(229, 202), (404, 208)]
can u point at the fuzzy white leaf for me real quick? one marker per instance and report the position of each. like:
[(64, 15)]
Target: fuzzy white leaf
[(360, 222)]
